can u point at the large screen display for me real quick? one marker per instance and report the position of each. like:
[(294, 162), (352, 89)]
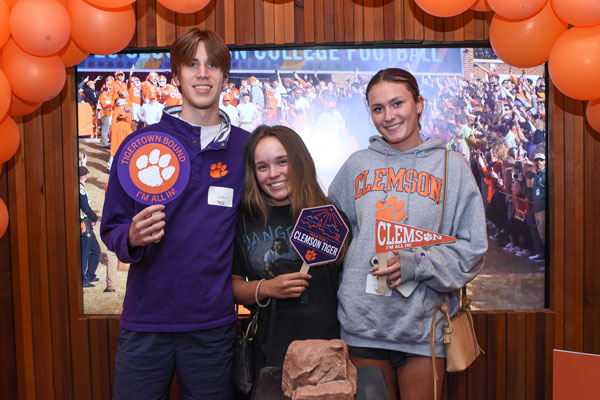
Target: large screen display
[(490, 112)]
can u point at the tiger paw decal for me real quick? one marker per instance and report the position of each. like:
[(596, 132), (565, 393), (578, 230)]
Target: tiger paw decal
[(218, 170), (391, 210), (311, 255), (154, 169)]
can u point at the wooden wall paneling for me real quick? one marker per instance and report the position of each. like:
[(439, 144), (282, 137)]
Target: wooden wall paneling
[(298, 22), (248, 22), (531, 360), (478, 25), (17, 200), (187, 21), (496, 355), (58, 265), (209, 15), (477, 372), (279, 21), (288, 13), (319, 21), (8, 361), (82, 374), (358, 21), (368, 20), (488, 19), (229, 11), (38, 263), (469, 25), (419, 23), (259, 21), (388, 20), (574, 224), (240, 30), (546, 323), (398, 19), (198, 19), (453, 29), (516, 328), (220, 25), (166, 31), (113, 332), (269, 24), (378, 20), (429, 32), (556, 184), (309, 20), (146, 23), (328, 21), (340, 20), (411, 9), (348, 6), (100, 358), (456, 386), (591, 333)]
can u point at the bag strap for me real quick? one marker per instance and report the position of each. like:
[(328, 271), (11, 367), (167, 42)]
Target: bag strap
[(445, 187)]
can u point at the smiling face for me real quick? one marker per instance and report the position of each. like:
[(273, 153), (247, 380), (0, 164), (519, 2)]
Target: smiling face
[(201, 83), (271, 168), (395, 114)]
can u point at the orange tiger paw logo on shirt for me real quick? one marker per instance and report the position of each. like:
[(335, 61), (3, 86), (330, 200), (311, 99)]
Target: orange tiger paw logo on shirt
[(218, 170)]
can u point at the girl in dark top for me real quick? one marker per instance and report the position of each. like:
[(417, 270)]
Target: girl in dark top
[(280, 181)]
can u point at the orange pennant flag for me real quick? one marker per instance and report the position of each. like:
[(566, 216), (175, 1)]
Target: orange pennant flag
[(394, 236)]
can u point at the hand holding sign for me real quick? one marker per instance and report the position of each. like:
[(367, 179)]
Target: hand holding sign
[(147, 226), (318, 236), (391, 235)]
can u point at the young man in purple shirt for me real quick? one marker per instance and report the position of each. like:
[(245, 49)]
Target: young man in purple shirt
[(178, 313)]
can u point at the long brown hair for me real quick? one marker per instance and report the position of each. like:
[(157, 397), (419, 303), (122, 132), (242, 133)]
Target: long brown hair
[(303, 187)]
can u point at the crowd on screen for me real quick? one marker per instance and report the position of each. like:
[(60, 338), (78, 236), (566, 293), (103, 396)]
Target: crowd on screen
[(497, 123)]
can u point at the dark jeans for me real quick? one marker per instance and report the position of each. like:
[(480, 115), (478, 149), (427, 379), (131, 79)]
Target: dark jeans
[(146, 362), (90, 256)]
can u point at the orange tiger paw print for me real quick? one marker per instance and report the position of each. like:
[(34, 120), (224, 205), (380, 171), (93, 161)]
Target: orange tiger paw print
[(310, 255), (218, 170), (391, 210)]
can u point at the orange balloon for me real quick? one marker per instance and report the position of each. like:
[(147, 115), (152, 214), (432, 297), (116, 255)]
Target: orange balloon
[(578, 12), (592, 113), (101, 31), (4, 94), (4, 24), (110, 3), (40, 27), (442, 8), (71, 54), (517, 9), (186, 6), (32, 78), (20, 107), (574, 63), (10, 3), (526, 43), (481, 5), (3, 218), (9, 138)]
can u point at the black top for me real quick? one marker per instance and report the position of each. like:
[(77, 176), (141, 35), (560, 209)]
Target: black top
[(313, 315)]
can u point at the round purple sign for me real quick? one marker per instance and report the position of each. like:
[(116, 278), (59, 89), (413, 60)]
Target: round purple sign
[(154, 168)]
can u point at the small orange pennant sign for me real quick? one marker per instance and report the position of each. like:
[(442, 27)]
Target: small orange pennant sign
[(394, 236)]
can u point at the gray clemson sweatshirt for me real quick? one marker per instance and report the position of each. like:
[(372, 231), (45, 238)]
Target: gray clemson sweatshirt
[(414, 177)]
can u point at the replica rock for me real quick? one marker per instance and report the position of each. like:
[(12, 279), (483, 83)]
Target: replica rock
[(318, 369)]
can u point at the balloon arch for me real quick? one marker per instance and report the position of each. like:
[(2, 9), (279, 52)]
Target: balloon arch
[(39, 38)]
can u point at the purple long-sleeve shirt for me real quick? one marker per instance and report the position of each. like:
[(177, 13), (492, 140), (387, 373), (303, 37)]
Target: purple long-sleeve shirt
[(183, 282)]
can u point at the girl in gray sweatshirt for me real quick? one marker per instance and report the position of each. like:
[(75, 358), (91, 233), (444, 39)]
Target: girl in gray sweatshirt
[(400, 179)]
